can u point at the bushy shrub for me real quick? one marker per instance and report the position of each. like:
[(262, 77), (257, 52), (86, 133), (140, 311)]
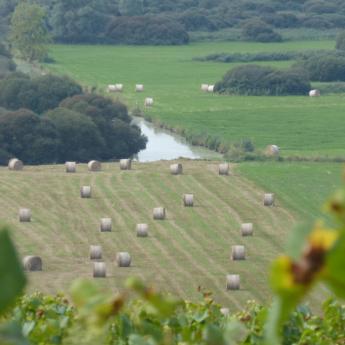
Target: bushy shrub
[(257, 30), (39, 94), (324, 68), (258, 80), (146, 30)]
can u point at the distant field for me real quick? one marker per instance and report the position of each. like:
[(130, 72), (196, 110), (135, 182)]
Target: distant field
[(301, 126), (190, 248)]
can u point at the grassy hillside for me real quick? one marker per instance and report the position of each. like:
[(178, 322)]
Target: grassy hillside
[(302, 126), (190, 248)]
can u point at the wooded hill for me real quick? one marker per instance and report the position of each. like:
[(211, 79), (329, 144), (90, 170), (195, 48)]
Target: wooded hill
[(168, 21)]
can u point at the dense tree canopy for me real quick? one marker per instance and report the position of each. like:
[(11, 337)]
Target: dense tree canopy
[(259, 80)]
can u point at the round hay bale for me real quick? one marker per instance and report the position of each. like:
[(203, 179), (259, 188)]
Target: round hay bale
[(204, 87), (111, 88), (176, 169), (105, 225), (232, 282), (99, 270), (119, 87), (125, 164), (247, 229), (15, 164), (224, 169), (225, 311), (142, 230), (85, 192), (71, 167), (32, 263), (269, 199), (24, 215), (139, 88), (188, 200), (159, 213), (314, 93), (94, 166), (210, 88), (148, 102), (95, 252), (123, 259), (238, 253), (272, 150)]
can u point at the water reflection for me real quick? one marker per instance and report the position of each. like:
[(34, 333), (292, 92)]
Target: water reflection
[(163, 144)]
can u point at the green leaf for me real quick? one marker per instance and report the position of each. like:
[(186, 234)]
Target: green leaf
[(335, 264), (12, 278)]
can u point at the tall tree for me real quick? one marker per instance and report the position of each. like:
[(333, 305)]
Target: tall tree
[(28, 33)]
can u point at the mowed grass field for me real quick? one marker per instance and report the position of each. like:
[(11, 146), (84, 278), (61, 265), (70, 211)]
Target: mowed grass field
[(190, 248), (299, 125)]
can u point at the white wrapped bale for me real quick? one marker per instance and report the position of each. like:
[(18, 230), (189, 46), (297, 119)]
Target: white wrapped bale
[(94, 166), (24, 215), (159, 213), (148, 102), (142, 230), (95, 252), (272, 150), (232, 282), (85, 192), (204, 87), (123, 259), (15, 164), (176, 169), (224, 169), (99, 270), (188, 200), (314, 93), (71, 167), (238, 253), (125, 164), (111, 88), (269, 199), (106, 225), (139, 88), (210, 88), (32, 263), (119, 87), (247, 229)]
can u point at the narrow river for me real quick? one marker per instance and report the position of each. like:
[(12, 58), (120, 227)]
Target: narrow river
[(165, 145)]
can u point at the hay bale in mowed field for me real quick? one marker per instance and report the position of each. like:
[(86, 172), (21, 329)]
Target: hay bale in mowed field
[(71, 167), (210, 88), (85, 192), (123, 259), (95, 252), (159, 213), (99, 270), (204, 87), (188, 200), (111, 88), (224, 169), (106, 225), (247, 229), (32, 263), (148, 102), (139, 88), (15, 164), (125, 164), (232, 282), (142, 230), (269, 199), (272, 150), (94, 166), (119, 87), (238, 253), (24, 215), (314, 93), (176, 169)]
